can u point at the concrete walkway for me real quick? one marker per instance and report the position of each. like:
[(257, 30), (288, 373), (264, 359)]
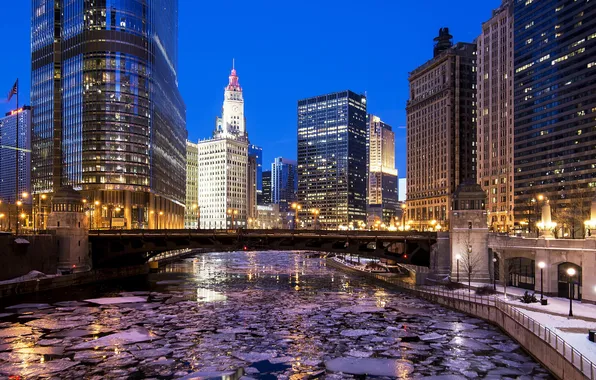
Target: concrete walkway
[(556, 305)]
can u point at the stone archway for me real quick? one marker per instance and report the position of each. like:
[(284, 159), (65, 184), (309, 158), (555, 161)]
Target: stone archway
[(564, 290)]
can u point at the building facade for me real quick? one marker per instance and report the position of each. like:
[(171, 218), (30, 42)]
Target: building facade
[(224, 165), (9, 156), (192, 213), (251, 177), (266, 197), (441, 130), (257, 153), (382, 174), (555, 107), (284, 182), (495, 116), (332, 159), (109, 119), (271, 217)]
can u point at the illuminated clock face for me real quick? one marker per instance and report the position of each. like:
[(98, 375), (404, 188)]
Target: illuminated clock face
[(235, 108)]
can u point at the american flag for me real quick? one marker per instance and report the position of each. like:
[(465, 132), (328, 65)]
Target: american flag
[(13, 90)]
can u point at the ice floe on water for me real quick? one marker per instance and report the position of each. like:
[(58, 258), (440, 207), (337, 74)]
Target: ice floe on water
[(253, 315), (116, 300)]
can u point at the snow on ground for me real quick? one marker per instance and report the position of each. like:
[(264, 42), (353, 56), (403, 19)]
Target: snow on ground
[(577, 340)]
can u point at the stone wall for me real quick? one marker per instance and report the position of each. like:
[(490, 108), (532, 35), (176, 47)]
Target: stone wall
[(41, 254)]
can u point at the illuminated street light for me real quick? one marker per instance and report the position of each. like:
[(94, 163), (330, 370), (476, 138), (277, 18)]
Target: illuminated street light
[(541, 265), (571, 273), (25, 194), (457, 258)]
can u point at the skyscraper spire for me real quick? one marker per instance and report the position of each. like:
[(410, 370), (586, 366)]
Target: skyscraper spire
[(233, 84)]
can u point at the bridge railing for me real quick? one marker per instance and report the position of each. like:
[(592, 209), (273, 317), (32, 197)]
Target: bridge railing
[(576, 358)]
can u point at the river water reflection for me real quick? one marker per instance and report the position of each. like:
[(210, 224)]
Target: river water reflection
[(259, 315)]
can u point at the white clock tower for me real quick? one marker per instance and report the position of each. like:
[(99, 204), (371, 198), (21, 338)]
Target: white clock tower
[(223, 166), (232, 122)]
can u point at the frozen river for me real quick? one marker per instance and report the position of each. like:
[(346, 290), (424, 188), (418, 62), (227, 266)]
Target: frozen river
[(251, 315)]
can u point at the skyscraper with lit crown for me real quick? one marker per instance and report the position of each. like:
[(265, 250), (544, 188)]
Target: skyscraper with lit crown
[(223, 165)]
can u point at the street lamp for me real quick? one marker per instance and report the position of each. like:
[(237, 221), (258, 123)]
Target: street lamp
[(457, 258), (541, 265), (159, 220), (494, 274), (571, 273)]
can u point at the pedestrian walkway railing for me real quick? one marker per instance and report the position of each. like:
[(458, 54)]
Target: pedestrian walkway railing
[(585, 365)]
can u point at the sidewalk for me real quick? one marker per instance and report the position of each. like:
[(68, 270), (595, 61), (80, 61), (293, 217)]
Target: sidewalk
[(555, 316)]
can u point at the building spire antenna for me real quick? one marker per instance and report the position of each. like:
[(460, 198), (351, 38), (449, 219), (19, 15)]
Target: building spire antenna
[(233, 63)]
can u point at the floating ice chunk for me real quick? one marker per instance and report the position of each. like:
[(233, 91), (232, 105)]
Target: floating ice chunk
[(151, 353), (14, 331), (29, 306), (505, 347), (360, 309), (117, 339), (57, 351), (55, 324), (370, 366), (470, 344), (444, 377), (116, 300), (356, 333), (210, 375), (360, 354), (34, 370), (455, 326), (432, 336), (252, 357)]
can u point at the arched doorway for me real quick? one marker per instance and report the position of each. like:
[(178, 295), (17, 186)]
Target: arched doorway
[(520, 272), (576, 289)]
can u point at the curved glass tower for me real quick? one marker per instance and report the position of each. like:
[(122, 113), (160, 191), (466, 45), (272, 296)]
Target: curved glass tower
[(108, 116)]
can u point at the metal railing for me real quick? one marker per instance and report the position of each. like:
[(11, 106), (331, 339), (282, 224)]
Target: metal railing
[(573, 356)]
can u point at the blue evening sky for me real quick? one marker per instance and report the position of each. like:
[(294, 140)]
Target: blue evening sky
[(285, 51)]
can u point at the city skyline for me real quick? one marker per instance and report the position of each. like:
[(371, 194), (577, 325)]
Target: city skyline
[(265, 63)]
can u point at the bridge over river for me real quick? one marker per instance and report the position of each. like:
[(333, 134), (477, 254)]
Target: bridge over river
[(129, 247)]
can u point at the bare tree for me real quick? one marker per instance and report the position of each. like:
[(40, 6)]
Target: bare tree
[(471, 260), (572, 210)]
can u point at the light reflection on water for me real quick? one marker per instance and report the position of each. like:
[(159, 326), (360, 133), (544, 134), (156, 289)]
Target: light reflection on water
[(258, 303)]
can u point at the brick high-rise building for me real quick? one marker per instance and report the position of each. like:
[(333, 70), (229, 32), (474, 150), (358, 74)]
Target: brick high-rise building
[(441, 131), (495, 116)]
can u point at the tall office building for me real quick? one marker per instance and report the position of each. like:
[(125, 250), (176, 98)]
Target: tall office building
[(224, 165), (8, 156), (108, 116), (495, 116), (266, 197), (251, 188), (192, 213), (555, 107), (257, 153), (332, 159), (284, 182), (382, 175), (441, 130)]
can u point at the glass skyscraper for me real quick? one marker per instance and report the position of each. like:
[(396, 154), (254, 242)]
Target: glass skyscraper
[(555, 108), (257, 153), (8, 156), (332, 159), (109, 119), (284, 182)]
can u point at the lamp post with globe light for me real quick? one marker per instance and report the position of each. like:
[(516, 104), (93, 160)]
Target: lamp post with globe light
[(457, 258), (541, 265), (570, 274)]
